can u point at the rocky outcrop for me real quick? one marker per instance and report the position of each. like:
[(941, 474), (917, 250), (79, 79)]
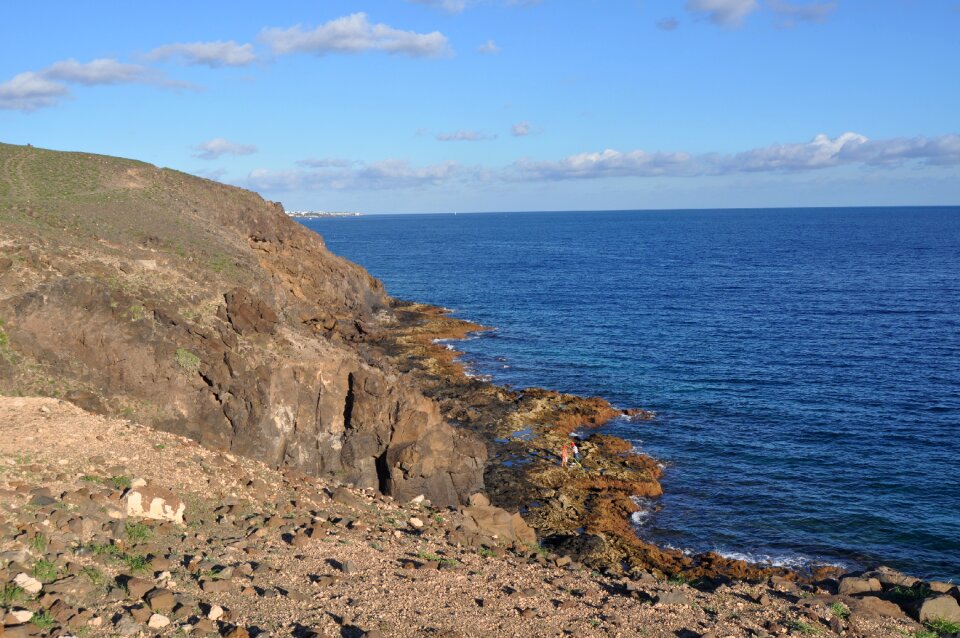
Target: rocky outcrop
[(245, 333)]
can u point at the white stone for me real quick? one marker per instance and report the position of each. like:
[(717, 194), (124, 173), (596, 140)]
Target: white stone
[(29, 584), (20, 616), (158, 621), (216, 613), (138, 482), (416, 500), (416, 522)]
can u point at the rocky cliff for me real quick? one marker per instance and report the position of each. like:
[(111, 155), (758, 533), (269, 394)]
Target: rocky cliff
[(203, 310)]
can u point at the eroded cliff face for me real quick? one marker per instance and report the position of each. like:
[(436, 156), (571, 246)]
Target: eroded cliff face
[(203, 310)]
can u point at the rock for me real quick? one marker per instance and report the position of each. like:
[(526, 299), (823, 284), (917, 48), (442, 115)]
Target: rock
[(158, 621), (889, 577), (127, 626), (29, 584), (216, 612), (498, 523), (160, 600), (249, 315), (237, 632), (346, 497), (851, 586), (137, 587), (873, 607), (155, 503), (416, 523), (944, 607), (673, 598), (18, 617), (479, 499), (215, 586), (41, 500), (939, 587)]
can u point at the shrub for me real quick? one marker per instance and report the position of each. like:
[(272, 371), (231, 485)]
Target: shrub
[(137, 532), (187, 360), (943, 627), (840, 611), (44, 570)]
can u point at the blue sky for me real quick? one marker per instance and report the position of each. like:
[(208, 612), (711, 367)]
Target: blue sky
[(477, 105)]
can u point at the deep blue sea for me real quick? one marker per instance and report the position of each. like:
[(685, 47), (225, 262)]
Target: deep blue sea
[(804, 363)]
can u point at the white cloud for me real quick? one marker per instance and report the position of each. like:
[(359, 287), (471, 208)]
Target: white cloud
[(463, 135), (218, 146), (820, 153), (355, 34), (326, 162), (521, 129), (489, 47), (383, 175), (792, 12), (30, 91), (450, 6), (211, 54), (97, 72), (728, 13)]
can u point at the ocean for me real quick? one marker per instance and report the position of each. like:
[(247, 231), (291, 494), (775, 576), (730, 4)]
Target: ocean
[(804, 363)]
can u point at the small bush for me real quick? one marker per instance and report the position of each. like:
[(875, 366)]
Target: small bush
[(187, 360), (44, 570), (11, 594), (137, 532), (437, 559), (135, 562), (943, 627), (804, 628), (121, 482), (840, 611), (42, 619), (94, 575), (38, 543), (901, 595)]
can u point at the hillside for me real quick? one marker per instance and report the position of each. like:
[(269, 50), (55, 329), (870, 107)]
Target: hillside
[(203, 310)]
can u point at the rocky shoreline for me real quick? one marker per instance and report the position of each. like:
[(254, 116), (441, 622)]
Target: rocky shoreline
[(584, 512)]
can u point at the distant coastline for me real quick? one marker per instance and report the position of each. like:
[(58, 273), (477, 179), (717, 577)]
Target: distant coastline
[(316, 214)]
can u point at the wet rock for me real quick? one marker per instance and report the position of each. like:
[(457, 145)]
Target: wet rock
[(155, 503)]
